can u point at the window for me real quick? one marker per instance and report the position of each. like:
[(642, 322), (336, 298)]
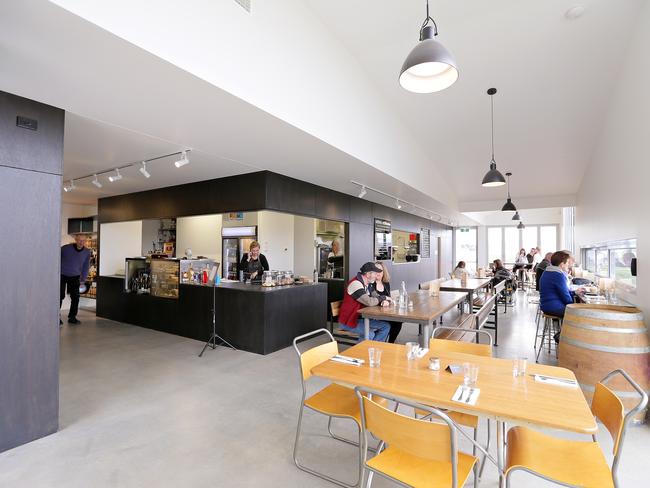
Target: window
[(511, 244), (590, 260), (466, 247), (619, 264), (548, 238), (602, 262), (529, 237), (495, 243), (613, 260)]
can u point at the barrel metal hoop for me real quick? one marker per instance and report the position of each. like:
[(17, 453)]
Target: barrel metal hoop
[(618, 393), (607, 315), (594, 347), (605, 329)]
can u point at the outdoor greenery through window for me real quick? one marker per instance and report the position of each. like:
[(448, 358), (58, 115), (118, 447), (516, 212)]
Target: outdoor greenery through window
[(612, 260)]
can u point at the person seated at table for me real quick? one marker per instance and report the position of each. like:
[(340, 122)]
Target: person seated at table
[(459, 270), (554, 294), (382, 287), (541, 266), (359, 294), (501, 273)]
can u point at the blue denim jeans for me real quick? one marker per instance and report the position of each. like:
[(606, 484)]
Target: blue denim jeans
[(379, 330)]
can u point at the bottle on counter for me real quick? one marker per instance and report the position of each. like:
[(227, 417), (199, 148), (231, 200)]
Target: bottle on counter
[(315, 276), (403, 296), (204, 275)]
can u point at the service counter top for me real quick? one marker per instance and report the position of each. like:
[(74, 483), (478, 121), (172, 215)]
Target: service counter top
[(251, 317)]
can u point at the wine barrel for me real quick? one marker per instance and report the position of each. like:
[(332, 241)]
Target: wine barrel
[(597, 339)]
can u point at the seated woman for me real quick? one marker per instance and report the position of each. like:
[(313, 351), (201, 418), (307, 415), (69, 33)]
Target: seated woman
[(459, 270), (382, 288), (554, 294), (253, 263), (520, 264)]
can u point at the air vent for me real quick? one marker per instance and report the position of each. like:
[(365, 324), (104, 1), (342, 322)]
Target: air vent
[(245, 4)]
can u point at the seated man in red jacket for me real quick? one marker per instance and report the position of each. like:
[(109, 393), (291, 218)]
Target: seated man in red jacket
[(357, 296)]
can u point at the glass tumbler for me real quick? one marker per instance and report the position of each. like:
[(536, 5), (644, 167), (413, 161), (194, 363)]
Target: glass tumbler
[(519, 366), (374, 357), (411, 349), (470, 374)]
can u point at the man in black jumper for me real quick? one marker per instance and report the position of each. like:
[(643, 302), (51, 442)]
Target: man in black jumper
[(75, 262)]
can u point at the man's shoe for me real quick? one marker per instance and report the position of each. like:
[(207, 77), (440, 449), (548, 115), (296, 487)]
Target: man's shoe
[(74, 321)]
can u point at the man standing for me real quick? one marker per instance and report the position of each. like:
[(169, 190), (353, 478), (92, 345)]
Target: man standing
[(357, 296), (75, 262)]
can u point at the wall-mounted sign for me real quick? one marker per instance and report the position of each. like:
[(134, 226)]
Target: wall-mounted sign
[(234, 216), (425, 243), (383, 239)]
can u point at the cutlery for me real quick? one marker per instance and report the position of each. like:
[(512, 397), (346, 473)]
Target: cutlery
[(553, 378), (471, 392)]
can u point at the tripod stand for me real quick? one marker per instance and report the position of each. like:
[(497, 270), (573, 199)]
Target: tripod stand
[(212, 341)]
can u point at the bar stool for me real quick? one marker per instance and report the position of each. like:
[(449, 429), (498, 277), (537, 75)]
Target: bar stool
[(538, 316), (552, 325)]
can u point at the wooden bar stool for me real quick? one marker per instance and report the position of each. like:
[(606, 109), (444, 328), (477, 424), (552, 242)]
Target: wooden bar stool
[(552, 326)]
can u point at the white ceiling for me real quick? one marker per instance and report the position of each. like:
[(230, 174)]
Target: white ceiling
[(554, 78)]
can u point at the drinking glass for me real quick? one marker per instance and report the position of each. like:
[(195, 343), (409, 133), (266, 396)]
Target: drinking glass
[(470, 374), (374, 357), (411, 348), (519, 366)]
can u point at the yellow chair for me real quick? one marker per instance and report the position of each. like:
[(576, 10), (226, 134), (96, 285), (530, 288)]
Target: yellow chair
[(575, 463), (420, 453), (334, 400)]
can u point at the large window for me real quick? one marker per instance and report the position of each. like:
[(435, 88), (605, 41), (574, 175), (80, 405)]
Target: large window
[(612, 260), (466, 247), (504, 242)]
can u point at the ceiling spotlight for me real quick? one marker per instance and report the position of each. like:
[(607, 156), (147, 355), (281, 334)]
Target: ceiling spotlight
[(363, 192), (117, 176), (143, 170), (96, 182), (429, 67), (521, 225), (516, 216), (70, 187), (398, 205), (509, 206), (183, 161), (493, 177)]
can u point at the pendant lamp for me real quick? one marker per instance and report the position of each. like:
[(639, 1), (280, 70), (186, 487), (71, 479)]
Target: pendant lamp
[(509, 206), (521, 225), (429, 67), (516, 216), (493, 177)]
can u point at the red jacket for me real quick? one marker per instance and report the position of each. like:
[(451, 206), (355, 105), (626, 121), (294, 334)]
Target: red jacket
[(355, 298)]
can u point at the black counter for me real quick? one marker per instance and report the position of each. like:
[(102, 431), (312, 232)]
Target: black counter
[(251, 317)]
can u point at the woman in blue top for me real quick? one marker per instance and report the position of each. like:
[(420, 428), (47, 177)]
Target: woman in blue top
[(554, 294)]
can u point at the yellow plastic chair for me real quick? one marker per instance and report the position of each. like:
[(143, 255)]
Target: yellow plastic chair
[(575, 463), (420, 453), (334, 400)]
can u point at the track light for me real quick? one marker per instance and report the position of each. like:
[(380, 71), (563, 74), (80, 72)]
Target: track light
[(117, 176), (183, 161), (96, 182), (143, 170), (363, 192), (398, 205), (70, 187)]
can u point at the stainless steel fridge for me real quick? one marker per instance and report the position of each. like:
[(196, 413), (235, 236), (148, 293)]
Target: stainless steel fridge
[(236, 242)]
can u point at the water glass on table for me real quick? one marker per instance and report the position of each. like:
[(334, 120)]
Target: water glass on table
[(411, 350), (374, 357), (519, 366), (470, 374)]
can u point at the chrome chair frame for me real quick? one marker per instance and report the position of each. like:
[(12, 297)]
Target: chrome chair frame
[(626, 420)]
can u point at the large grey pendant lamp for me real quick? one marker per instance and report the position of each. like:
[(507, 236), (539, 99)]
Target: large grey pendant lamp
[(429, 67), (509, 206), (494, 176)]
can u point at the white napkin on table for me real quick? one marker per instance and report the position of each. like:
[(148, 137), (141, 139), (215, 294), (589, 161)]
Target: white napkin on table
[(464, 396)]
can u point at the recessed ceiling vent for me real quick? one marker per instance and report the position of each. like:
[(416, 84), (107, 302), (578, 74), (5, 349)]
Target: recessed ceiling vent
[(245, 4)]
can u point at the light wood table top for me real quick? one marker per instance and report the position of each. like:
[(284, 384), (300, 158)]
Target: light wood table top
[(471, 285), (517, 400), (425, 307)]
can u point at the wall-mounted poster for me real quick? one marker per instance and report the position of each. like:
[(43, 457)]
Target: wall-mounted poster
[(425, 242), (383, 240), (235, 216)]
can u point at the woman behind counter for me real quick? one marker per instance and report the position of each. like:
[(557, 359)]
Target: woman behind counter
[(253, 263), (382, 287)]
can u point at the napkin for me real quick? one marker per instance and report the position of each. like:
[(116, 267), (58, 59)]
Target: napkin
[(466, 394), (550, 380)]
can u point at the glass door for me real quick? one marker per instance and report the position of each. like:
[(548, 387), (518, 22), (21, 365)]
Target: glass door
[(230, 258)]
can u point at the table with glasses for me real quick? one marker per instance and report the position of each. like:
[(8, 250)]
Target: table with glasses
[(504, 398), (591, 299), (470, 287), (425, 310)]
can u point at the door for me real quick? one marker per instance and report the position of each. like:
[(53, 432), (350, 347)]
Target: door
[(230, 258)]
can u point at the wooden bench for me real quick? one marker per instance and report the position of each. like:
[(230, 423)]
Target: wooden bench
[(468, 325), (493, 324)]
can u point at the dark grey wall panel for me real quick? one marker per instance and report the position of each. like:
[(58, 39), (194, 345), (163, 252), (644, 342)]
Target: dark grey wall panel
[(39, 150), (30, 205), (332, 205), (290, 195)]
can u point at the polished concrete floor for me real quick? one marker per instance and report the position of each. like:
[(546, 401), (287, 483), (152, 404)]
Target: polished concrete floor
[(140, 409)]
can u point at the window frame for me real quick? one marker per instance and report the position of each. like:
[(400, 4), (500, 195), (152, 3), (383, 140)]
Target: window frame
[(520, 234)]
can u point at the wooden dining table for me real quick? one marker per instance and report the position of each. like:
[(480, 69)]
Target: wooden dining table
[(425, 311), (503, 397), (470, 287)]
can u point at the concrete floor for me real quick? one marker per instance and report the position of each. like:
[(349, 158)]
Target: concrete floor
[(140, 409)]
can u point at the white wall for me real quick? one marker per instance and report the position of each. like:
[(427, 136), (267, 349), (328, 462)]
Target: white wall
[(275, 231), (201, 233), (72, 211), (613, 201), (304, 249), (118, 241), (150, 229)]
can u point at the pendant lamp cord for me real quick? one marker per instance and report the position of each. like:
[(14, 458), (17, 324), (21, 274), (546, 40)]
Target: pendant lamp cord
[(426, 22), (492, 118)]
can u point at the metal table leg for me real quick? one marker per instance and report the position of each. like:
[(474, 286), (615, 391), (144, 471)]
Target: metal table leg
[(470, 297), (501, 451), (366, 326), (426, 334)]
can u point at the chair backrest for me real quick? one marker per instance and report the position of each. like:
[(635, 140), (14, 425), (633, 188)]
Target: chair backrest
[(608, 408), (315, 355), (429, 440), (335, 308), (499, 287), (441, 346)]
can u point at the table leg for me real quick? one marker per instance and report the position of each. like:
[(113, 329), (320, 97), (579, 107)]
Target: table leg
[(426, 335), (366, 328), (501, 452), (470, 297)]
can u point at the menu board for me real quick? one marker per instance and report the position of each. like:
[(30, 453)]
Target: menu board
[(425, 243), (164, 278), (383, 239)]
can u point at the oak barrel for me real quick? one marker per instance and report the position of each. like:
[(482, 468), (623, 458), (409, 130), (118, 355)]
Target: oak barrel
[(597, 339)]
